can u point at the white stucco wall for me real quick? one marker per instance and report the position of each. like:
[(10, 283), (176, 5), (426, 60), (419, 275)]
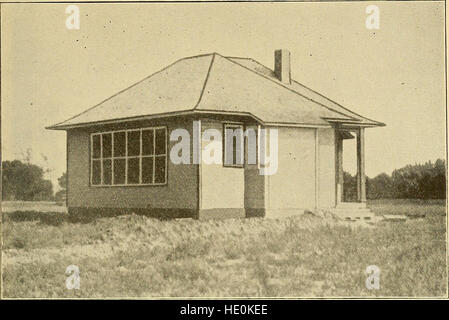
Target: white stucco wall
[(221, 187), (306, 171), (293, 185), (326, 187)]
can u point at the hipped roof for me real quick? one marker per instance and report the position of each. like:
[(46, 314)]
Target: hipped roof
[(217, 84)]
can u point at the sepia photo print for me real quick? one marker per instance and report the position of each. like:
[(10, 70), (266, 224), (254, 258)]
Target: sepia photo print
[(223, 150)]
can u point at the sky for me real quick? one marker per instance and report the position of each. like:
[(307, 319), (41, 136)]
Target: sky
[(394, 74)]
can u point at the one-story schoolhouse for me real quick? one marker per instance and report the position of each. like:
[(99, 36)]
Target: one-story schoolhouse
[(118, 152)]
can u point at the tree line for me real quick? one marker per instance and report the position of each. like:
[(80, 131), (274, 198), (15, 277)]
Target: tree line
[(25, 181), (418, 181)]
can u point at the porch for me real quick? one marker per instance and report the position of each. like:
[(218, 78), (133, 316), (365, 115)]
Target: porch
[(350, 210)]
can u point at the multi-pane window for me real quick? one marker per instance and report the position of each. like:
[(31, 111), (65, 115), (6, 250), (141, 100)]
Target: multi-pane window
[(129, 157)]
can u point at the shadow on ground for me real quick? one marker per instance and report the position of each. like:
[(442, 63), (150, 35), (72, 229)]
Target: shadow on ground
[(48, 218), (58, 218)]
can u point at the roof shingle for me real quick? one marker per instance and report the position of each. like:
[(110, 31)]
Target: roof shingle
[(218, 84)]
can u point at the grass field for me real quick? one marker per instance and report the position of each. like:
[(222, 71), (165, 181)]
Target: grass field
[(302, 256)]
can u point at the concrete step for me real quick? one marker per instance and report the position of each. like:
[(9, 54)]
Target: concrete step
[(351, 205), (394, 217), (353, 214), (351, 210)]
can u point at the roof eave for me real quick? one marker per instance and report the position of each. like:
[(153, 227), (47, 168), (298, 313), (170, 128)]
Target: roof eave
[(356, 123), (62, 126)]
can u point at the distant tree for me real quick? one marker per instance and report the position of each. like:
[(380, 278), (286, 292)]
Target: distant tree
[(62, 181), (349, 187), (439, 180), (60, 196), (419, 181), (24, 181), (380, 187)]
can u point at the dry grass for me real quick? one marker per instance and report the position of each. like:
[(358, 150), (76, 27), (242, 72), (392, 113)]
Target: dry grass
[(136, 256)]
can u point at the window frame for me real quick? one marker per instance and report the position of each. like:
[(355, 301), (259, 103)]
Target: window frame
[(233, 125), (259, 144), (126, 157)]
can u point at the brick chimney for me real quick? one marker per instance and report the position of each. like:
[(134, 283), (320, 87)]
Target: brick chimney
[(282, 65)]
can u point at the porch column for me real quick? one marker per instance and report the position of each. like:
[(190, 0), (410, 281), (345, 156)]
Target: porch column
[(361, 186), (338, 167)]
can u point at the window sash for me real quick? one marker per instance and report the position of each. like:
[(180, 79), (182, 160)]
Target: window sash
[(263, 147), (234, 126), (140, 156)]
